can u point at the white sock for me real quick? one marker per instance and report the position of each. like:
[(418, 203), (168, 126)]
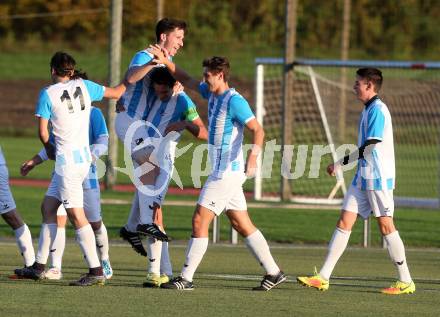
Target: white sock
[(146, 213), (57, 248), (258, 246), (134, 216), (194, 255), (154, 250), (24, 242), (47, 235), (101, 238), (87, 243), (396, 249), (165, 263), (336, 247)]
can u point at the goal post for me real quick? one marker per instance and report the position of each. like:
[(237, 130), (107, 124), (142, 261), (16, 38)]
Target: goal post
[(411, 90)]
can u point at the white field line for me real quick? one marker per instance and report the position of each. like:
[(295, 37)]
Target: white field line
[(186, 203), (291, 278)]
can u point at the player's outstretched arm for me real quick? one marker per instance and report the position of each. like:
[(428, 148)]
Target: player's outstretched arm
[(178, 73), (28, 165), (257, 140), (115, 92)]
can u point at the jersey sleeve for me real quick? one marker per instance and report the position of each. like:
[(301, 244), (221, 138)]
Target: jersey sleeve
[(189, 111), (141, 58), (96, 91), (98, 125), (203, 90), (240, 110), (44, 105), (376, 124)]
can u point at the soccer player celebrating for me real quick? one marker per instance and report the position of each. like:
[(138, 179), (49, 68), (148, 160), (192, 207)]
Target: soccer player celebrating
[(169, 35), (372, 188), (169, 114), (98, 139), (12, 217), (67, 105), (228, 114)]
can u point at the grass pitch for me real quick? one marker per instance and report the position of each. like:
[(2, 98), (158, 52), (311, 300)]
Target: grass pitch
[(223, 286)]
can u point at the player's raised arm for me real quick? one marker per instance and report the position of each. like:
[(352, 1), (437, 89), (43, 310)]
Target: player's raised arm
[(140, 66), (136, 73), (178, 73)]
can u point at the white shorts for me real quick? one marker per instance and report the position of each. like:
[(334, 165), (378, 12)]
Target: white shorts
[(71, 185), (366, 202), (134, 126), (91, 200), (92, 205), (224, 193), (7, 202)]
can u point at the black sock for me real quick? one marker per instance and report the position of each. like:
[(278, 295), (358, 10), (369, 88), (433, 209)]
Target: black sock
[(96, 271)]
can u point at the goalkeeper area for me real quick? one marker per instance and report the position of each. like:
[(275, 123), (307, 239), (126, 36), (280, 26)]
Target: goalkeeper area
[(223, 286), (325, 116)]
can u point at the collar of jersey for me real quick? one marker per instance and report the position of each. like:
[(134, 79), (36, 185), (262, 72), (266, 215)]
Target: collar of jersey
[(369, 102)]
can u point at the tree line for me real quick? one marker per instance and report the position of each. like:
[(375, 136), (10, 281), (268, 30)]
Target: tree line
[(402, 29)]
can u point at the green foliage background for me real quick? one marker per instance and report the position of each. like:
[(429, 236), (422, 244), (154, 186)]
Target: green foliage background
[(392, 29)]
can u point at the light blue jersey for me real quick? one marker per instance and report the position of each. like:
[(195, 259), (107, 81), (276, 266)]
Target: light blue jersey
[(228, 114), (137, 96), (67, 105), (376, 172), (163, 113), (97, 129)]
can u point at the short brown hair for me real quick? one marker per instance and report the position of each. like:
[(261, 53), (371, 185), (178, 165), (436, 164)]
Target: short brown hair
[(167, 25), (218, 64), (373, 75)]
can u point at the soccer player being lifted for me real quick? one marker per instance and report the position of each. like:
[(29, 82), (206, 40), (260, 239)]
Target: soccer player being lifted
[(372, 188), (228, 115), (133, 110), (169, 114)]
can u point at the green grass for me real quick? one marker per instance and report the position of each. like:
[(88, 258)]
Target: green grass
[(223, 286), (19, 149), (412, 180), (27, 64), (418, 228)]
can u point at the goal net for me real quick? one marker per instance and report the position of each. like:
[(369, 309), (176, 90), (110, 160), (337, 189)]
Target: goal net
[(325, 116)]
